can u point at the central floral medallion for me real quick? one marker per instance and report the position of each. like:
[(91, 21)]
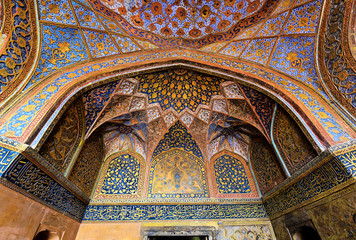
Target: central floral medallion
[(179, 89), (185, 19)]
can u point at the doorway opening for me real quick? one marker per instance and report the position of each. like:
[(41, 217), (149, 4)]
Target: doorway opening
[(306, 233), (179, 233)]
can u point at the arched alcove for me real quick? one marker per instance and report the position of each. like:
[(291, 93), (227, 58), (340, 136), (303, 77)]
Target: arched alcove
[(236, 117)]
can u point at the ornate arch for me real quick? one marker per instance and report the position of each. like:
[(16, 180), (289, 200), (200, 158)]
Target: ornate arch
[(39, 107)]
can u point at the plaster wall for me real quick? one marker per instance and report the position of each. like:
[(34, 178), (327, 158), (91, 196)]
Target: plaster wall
[(109, 231), (21, 218)]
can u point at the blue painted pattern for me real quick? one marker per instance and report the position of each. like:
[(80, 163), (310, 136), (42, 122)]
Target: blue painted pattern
[(126, 44), (94, 101), (272, 26), (56, 11), (7, 156), (235, 48), (178, 137), (174, 212), (100, 44), (61, 46), (259, 50), (230, 175), (122, 176), (86, 17), (295, 56), (33, 180), (111, 26), (304, 19)]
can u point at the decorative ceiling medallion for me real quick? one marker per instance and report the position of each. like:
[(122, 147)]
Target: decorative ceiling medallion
[(171, 23)]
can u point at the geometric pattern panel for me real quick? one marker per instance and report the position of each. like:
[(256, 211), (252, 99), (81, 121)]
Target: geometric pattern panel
[(177, 174), (272, 26), (86, 17), (291, 142), (100, 44), (259, 50), (179, 88), (111, 26), (235, 48), (58, 11), (126, 44), (174, 212), (122, 176), (264, 164), (232, 176), (177, 137), (249, 32)]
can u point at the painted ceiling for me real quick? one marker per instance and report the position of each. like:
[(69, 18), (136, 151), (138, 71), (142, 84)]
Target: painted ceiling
[(186, 22), (196, 79), (51, 50), (141, 113)]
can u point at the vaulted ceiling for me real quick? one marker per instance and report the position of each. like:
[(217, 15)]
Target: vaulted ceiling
[(98, 93), (54, 49)]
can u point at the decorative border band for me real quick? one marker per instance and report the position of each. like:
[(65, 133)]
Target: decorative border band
[(173, 212)]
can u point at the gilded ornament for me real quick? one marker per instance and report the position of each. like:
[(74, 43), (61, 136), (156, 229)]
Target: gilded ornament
[(10, 63)]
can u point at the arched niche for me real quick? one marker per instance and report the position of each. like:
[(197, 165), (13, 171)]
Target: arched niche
[(231, 176), (177, 174), (121, 177), (28, 134)]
